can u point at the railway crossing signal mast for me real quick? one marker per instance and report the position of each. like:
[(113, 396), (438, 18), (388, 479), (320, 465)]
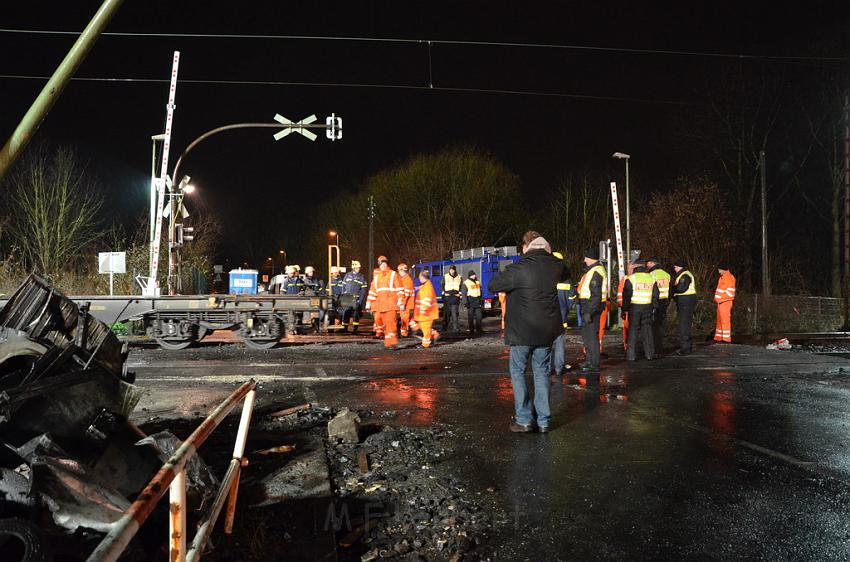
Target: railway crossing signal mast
[(333, 131)]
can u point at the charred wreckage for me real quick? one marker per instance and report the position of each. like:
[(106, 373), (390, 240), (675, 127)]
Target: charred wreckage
[(70, 460)]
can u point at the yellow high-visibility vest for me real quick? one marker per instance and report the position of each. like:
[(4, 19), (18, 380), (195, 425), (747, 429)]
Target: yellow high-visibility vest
[(473, 288), (642, 283), (584, 284), (692, 288), (452, 283), (662, 279)]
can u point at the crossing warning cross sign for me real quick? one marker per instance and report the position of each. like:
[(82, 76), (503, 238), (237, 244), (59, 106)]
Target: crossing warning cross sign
[(295, 127)]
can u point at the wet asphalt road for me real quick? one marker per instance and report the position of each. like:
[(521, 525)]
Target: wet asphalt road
[(735, 452)]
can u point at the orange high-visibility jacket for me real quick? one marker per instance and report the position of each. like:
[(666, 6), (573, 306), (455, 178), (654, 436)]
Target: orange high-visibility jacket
[(426, 303), (725, 288), (385, 291), (620, 291), (407, 292)]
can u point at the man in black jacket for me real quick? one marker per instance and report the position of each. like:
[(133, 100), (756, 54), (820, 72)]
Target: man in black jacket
[(592, 295), (532, 323)]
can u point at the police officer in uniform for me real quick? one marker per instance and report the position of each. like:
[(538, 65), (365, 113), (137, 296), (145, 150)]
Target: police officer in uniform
[(592, 295), (640, 299), (451, 299), (659, 320), (684, 291), (471, 293)]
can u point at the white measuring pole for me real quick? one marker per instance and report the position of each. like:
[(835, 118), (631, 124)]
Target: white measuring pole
[(616, 206), (166, 145)]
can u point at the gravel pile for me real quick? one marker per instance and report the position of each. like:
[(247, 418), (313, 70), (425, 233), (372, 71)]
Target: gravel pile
[(426, 513)]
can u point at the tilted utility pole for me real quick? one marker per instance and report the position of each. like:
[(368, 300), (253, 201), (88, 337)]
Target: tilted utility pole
[(51, 91)]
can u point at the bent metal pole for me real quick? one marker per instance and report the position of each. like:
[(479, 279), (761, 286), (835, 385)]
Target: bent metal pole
[(51, 91), (123, 530)]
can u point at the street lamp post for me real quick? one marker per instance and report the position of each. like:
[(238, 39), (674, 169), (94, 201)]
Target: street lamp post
[(626, 157), (282, 252)]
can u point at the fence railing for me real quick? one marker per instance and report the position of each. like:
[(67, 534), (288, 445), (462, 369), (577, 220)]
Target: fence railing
[(172, 476), (759, 314)]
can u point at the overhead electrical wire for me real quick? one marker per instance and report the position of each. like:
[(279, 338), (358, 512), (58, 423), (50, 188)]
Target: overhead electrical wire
[(429, 87), (627, 50)]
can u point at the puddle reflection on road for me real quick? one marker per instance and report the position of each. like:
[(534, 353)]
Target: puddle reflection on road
[(399, 394), (722, 416)]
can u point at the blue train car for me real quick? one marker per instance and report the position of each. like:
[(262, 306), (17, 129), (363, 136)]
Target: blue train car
[(485, 262)]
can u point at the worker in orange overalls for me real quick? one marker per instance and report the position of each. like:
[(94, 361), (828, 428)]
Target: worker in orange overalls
[(405, 313), (630, 268), (724, 296), (385, 300), (426, 310)]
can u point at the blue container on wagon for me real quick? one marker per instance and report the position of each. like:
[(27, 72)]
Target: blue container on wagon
[(243, 281)]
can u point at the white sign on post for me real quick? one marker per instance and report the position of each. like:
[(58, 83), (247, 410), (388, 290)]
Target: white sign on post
[(111, 263)]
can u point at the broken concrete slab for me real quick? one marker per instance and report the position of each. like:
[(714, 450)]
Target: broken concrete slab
[(344, 427)]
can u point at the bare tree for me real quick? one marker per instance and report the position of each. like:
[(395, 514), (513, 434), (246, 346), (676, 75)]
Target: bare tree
[(54, 207), (698, 227)]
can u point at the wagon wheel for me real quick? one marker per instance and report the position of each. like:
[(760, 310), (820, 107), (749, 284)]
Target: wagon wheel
[(255, 343), (174, 345)]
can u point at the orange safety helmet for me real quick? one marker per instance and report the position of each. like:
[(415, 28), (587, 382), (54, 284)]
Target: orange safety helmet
[(382, 258), (402, 267)]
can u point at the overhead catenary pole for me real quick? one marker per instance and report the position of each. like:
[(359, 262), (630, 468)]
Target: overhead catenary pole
[(847, 212), (371, 236), (765, 273), (50, 93)]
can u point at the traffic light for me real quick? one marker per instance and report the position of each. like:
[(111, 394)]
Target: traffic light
[(183, 234), (334, 127)]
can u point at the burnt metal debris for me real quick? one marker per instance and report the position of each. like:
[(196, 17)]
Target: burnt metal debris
[(70, 460)]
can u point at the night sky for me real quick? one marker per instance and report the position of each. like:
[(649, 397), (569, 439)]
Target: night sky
[(611, 100)]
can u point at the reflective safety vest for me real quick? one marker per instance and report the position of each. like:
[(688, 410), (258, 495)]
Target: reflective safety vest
[(642, 283), (473, 288), (426, 303), (662, 278), (452, 283), (692, 288), (725, 291), (584, 284)]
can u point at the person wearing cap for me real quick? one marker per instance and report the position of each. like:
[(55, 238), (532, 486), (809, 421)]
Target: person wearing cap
[(685, 294), (426, 310), (405, 313), (292, 283), (640, 299), (659, 319), (451, 300), (724, 296), (385, 300), (566, 297), (355, 287), (592, 295), (471, 294), (532, 323)]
